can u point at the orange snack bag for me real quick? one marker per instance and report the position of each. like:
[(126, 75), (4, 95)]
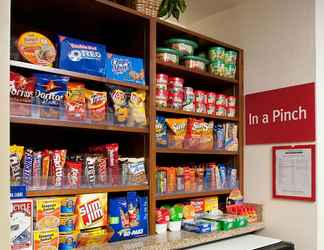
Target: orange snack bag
[(91, 210), (171, 179), (47, 213), (46, 239), (176, 135), (75, 103), (206, 139), (96, 104)]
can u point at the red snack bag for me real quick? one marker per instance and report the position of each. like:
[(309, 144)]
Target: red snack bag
[(21, 92), (162, 215), (194, 132), (73, 173), (57, 167), (102, 169)]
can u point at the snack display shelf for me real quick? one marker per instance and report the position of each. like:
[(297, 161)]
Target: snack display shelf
[(89, 190), (190, 73), (195, 114), (74, 75), (74, 124), (185, 195), (166, 150)]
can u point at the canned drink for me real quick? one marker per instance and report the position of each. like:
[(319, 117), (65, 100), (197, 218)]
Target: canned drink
[(231, 101), (230, 112), (200, 107), (220, 99), (210, 108), (200, 96), (220, 110)]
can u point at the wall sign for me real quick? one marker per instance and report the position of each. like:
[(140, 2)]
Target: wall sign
[(281, 115), (293, 175)]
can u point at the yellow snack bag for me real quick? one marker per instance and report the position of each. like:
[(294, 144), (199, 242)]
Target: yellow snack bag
[(176, 135), (16, 155), (137, 116), (96, 104)]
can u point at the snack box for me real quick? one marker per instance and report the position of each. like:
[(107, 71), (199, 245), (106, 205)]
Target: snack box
[(21, 224), (47, 213), (240, 221), (124, 210), (81, 56), (198, 204), (199, 226), (211, 204), (46, 239), (126, 69), (91, 210)]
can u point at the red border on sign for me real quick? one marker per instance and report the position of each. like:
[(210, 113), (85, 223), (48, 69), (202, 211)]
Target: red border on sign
[(313, 174)]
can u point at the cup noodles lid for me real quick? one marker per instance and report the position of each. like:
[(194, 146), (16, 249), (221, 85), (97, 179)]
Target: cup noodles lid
[(91, 210)]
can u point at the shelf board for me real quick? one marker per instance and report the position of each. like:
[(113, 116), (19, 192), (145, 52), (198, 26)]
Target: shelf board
[(175, 196), (190, 73), (162, 150), (72, 124), (195, 114), (113, 189), (74, 75)]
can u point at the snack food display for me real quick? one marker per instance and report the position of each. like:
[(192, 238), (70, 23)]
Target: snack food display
[(168, 55), (184, 46), (119, 98), (178, 128), (125, 69), (15, 158), (49, 94), (21, 224), (81, 56), (36, 48), (195, 62)]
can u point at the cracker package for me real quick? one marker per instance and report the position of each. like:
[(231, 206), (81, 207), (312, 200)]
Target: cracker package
[(161, 131), (137, 116), (75, 103), (231, 140), (16, 155), (94, 237), (49, 94), (96, 104), (21, 224), (91, 210), (119, 99), (194, 132), (125, 69), (176, 135), (47, 213), (207, 139), (21, 94), (81, 56), (46, 239)]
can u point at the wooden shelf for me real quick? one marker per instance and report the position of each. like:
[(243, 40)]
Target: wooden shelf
[(180, 70), (175, 196), (195, 114), (186, 151), (113, 189), (74, 75), (71, 124)]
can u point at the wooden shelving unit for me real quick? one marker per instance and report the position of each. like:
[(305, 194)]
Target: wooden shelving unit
[(105, 22)]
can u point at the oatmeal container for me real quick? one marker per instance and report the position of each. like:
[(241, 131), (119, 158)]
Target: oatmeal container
[(168, 55), (184, 46)]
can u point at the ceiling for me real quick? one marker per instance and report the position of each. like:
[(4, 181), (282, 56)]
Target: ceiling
[(199, 9)]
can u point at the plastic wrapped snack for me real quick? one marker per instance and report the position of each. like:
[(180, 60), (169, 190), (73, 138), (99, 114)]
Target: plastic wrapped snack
[(161, 131), (206, 139), (231, 140), (137, 116), (219, 136), (119, 99), (96, 104), (47, 213), (176, 135), (194, 132), (46, 239), (75, 103), (16, 154)]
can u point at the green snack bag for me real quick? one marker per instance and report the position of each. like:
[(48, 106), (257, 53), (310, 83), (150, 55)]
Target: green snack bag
[(176, 213)]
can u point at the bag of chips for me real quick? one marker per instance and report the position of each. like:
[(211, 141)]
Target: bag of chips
[(194, 132), (75, 103), (176, 135), (119, 99), (206, 139), (137, 116), (16, 154), (161, 131), (96, 104), (231, 140)]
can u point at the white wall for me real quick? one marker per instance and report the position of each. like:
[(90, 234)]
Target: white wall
[(4, 124), (278, 37)]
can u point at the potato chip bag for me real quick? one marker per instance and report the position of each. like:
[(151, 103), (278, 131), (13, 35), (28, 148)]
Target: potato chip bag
[(46, 239), (96, 104), (206, 139), (91, 210), (119, 99), (75, 103), (194, 132), (176, 135), (137, 116), (47, 213)]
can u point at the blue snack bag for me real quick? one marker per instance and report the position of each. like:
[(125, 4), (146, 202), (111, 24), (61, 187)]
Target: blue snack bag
[(161, 131), (49, 94), (125, 69), (81, 56), (219, 134), (222, 173)]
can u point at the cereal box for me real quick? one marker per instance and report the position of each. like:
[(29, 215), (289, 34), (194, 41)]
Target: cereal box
[(91, 210), (47, 213), (21, 224), (46, 239), (126, 69), (82, 56)]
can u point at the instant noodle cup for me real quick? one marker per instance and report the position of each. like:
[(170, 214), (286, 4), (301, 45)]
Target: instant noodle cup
[(231, 101), (216, 53), (168, 55), (230, 57), (47, 213), (210, 109), (36, 48), (220, 110), (211, 98), (46, 239), (217, 67), (220, 99), (184, 46), (200, 96), (200, 107), (230, 112)]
